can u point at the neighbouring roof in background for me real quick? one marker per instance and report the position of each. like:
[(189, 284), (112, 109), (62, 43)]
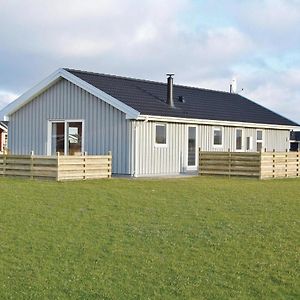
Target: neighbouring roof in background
[(149, 98), (4, 124)]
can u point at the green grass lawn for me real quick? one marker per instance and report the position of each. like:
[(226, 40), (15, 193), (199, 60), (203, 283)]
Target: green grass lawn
[(194, 238)]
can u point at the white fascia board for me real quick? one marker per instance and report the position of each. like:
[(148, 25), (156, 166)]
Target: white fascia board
[(53, 78), (215, 122)]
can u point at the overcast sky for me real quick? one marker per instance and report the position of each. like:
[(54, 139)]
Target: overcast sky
[(205, 43)]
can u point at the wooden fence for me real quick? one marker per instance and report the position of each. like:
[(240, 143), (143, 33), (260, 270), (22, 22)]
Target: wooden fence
[(261, 165), (280, 164), (59, 168)]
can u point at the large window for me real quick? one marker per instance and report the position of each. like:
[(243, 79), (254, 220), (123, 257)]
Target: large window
[(66, 137), (259, 140), (218, 136), (238, 139), (161, 134)]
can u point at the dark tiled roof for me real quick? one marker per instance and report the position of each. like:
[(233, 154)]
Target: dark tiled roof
[(149, 98)]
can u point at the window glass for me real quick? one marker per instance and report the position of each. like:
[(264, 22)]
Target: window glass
[(161, 134), (192, 146), (58, 138), (74, 138), (259, 140), (217, 136), (249, 143), (259, 146), (259, 135), (239, 137)]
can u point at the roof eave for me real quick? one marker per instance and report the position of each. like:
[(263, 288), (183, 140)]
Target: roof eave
[(216, 122)]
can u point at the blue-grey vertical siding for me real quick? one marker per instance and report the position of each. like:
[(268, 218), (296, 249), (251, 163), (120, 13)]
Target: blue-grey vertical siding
[(172, 159), (105, 128)]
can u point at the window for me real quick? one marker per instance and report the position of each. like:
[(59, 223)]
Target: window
[(238, 139), (249, 143), (259, 140), (161, 134), (218, 138), (66, 137), (192, 150)]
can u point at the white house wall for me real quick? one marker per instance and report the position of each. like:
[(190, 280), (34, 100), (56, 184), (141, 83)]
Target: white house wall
[(105, 128), (152, 160)]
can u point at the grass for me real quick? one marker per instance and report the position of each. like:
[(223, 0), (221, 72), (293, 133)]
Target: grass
[(195, 238)]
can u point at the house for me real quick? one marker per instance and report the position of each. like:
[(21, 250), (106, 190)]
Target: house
[(3, 136), (152, 128)]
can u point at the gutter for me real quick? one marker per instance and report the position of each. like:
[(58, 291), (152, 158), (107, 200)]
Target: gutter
[(216, 122)]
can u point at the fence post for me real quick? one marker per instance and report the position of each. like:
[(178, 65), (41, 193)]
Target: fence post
[(109, 164), (199, 162), (273, 163), (297, 164), (31, 164), (286, 163), (57, 166), (229, 162), (4, 164), (84, 165), (260, 165)]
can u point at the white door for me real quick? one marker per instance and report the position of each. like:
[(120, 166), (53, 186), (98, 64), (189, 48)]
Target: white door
[(192, 151)]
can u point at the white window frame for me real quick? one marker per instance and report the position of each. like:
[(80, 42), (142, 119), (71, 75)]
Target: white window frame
[(194, 167), (213, 136), (250, 143), (260, 141), (65, 121), (242, 144), (158, 145)]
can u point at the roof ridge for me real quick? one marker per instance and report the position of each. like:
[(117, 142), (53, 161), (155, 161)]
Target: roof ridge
[(145, 80)]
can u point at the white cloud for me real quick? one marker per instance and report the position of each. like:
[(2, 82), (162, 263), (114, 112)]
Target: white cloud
[(278, 91), (6, 97), (146, 39)]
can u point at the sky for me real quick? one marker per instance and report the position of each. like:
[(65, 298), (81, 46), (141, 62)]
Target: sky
[(205, 43)]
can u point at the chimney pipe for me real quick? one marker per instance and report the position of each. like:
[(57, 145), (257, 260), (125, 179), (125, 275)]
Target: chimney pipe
[(170, 99), (233, 86)]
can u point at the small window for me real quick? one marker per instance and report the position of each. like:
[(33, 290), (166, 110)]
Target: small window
[(259, 135), (259, 140), (238, 139), (161, 134), (249, 143), (218, 138)]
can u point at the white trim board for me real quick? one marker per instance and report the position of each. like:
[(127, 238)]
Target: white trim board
[(52, 79), (214, 122)]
